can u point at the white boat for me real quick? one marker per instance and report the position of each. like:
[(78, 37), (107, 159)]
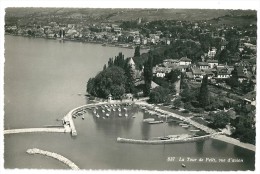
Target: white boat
[(107, 114), (126, 115), (94, 111), (108, 109), (125, 108), (103, 110), (119, 109), (155, 122), (148, 120), (114, 109), (83, 117), (185, 126), (119, 114), (195, 130), (97, 116)]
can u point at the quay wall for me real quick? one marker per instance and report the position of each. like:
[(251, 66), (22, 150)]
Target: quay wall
[(68, 116), (59, 157)]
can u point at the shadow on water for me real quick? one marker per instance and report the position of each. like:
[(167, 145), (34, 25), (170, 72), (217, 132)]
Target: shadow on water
[(145, 129), (218, 145), (200, 146), (248, 156)]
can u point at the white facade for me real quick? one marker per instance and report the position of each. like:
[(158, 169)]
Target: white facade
[(185, 62)]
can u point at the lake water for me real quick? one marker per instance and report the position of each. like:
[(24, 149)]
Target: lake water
[(42, 81)]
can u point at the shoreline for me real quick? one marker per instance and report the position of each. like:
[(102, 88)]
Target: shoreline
[(117, 45)]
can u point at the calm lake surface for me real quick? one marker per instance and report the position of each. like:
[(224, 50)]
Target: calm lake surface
[(42, 81)]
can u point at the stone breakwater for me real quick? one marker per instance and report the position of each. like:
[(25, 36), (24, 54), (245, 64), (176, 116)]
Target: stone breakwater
[(169, 141), (54, 155), (29, 130)]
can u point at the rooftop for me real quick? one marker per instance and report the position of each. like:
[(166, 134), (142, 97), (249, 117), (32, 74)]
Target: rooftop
[(185, 59), (212, 61), (203, 64)]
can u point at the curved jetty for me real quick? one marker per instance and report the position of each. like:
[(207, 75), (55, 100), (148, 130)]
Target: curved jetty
[(53, 155)]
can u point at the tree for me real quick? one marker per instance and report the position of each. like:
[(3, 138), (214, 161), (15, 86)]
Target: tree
[(104, 67), (148, 75), (90, 85), (203, 97), (137, 51), (233, 80), (177, 102), (130, 74), (173, 76), (223, 56), (159, 95), (247, 86), (219, 119)]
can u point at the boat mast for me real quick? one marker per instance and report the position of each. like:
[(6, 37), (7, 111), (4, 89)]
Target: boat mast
[(165, 126)]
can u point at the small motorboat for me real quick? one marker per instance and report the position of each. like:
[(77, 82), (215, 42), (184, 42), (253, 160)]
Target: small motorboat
[(114, 109), (164, 138), (119, 109), (126, 115), (183, 165), (83, 117), (103, 111), (107, 114), (119, 114), (97, 116), (133, 116)]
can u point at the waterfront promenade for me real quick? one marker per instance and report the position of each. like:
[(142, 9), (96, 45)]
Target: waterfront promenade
[(59, 157)]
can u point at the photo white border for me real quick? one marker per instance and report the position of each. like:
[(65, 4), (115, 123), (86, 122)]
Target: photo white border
[(185, 4)]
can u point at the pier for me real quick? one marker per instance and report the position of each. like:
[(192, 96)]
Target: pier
[(59, 157), (31, 130), (169, 141)]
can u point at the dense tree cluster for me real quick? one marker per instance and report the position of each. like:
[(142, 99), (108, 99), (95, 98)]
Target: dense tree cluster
[(159, 95), (116, 79), (245, 124), (110, 81), (219, 119)]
